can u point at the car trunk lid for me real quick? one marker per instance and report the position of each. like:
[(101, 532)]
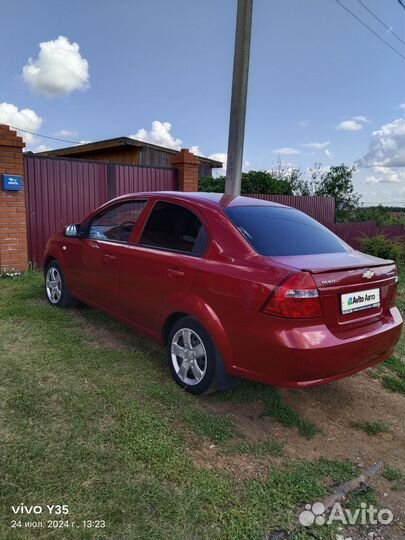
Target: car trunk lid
[(354, 288)]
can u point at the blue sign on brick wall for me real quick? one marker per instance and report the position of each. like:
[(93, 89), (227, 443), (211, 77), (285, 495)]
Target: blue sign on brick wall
[(12, 182)]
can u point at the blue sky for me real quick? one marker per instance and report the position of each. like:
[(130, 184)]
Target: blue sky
[(313, 68)]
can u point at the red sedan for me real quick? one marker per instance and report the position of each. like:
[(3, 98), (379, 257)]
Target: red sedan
[(233, 286)]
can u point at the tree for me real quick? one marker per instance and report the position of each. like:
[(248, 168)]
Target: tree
[(262, 182), (337, 182)]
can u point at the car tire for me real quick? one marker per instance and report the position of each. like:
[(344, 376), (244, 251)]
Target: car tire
[(192, 356), (56, 289)]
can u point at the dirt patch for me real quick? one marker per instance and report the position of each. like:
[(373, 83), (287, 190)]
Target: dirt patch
[(334, 408), (208, 456), (98, 336)]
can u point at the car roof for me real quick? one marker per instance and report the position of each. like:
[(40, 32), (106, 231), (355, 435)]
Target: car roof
[(210, 199)]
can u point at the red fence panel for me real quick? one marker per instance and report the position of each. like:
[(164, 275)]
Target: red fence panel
[(320, 208), (59, 192), (132, 179), (352, 233)]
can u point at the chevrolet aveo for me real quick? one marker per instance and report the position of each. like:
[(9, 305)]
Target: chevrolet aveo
[(233, 286)]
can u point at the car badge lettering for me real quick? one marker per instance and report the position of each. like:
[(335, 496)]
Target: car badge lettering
[(328, 281)]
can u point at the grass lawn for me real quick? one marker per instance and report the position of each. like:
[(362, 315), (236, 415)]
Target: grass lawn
[(98, 425)]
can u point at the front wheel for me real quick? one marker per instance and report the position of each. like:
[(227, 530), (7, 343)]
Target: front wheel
[(192, 356), (56, 290)]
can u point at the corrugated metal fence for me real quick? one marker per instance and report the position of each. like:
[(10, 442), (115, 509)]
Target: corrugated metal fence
[(320, 208), (63, 191), (353, 233)]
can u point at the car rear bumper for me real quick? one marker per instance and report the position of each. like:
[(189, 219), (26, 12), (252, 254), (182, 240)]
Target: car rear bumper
[(309, 355)]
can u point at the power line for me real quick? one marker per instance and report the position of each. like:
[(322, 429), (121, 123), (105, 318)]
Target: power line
[(370, 29), (381, 21), (45, 136), (401, 3)]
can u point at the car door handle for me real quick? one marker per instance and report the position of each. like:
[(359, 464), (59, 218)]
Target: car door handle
[(109, 258), (175, 272)]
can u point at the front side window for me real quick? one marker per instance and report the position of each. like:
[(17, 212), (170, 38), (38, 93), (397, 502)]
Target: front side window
[(278, 231), (116, 223), (173, 227)]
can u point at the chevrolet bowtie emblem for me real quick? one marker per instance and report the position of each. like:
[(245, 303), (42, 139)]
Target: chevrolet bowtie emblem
[(368, 274)]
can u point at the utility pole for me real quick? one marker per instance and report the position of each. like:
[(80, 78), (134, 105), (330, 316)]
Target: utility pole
[(239, 95)]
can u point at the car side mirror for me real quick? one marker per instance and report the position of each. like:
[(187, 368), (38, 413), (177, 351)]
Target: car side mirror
[(72, 231)]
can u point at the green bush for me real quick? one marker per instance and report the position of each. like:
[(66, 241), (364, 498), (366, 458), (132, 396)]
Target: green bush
[(252, 182), (380, 246)]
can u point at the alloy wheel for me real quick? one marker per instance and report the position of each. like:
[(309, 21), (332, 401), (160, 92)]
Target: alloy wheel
[(53, 285), (189, 356)]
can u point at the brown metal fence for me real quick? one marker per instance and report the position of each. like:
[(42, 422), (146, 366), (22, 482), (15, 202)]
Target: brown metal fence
[(130, 179), (353, 233), (63, 191), (320, 208)]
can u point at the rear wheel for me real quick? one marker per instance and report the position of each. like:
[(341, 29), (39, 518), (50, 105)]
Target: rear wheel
[(192, 356), (56, 290)]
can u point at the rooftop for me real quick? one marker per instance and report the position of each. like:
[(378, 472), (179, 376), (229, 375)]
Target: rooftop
[(214, 199), (115, 143)]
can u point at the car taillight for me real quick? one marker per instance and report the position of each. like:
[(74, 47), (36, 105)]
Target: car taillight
[(297, 298)]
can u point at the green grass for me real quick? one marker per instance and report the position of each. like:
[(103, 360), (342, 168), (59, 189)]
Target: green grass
[(365, 495), (392, 474), (274, 405), (107, 432), (395, 477), (394, 385), (391, 373), (371, 428), (396, 365)]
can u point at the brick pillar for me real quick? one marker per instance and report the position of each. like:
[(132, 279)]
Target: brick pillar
[(187, 165), (13, 223)]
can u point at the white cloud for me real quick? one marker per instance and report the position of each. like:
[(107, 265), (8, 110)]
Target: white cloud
[(385, 175), (67, 133), (317, 145), (59, 69), (349, 125), (363, 119), (219, 156), (303, 124), (328, 153), (286, 151), (41, 148), (402, 106), (21, 118), (196, 151), (354, 124), (160, 134), (223, 158), (387, 146)]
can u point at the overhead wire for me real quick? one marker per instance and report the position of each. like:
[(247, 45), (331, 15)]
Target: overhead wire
[(381, 21), (370, 29), (44, 136)]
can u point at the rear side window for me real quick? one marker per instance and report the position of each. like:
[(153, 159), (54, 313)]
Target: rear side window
[(274, 231), (173, 227)]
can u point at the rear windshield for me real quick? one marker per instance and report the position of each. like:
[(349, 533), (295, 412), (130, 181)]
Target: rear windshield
[(275, 231)]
